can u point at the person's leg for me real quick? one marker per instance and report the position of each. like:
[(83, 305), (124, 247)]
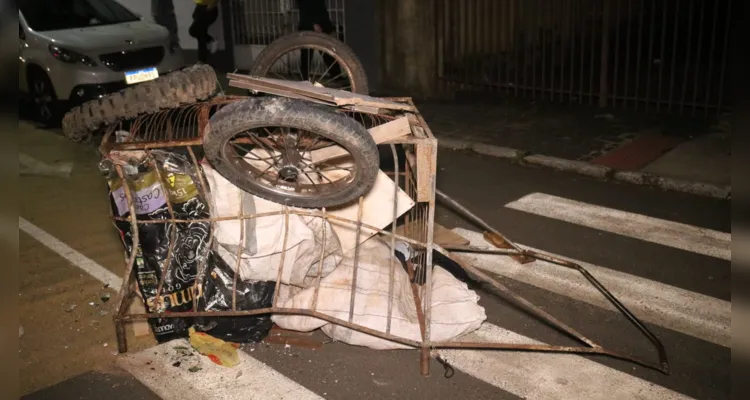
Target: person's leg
[(163, 13), (211, 16), (199, 31)]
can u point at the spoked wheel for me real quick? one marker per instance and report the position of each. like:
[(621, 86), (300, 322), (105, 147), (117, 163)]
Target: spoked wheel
[(314, 57), (280, 149)]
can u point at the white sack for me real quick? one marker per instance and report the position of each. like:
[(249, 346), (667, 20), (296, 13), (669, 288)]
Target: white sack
[(304, 241), (455, 311)]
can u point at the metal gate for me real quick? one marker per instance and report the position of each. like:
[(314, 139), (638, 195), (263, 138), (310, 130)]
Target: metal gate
[(256, 23), (656, 55)]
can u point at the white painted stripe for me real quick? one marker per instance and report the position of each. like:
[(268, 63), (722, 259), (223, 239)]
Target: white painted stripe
[(691, 313), (74, 257), (549, 376), (250, 380), (668, 233)]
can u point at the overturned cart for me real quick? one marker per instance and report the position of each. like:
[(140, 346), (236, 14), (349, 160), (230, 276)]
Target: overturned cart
[(245, 190)]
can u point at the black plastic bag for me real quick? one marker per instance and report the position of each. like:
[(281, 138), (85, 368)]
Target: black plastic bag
[(217, 296), (189, 252), (191, 239)]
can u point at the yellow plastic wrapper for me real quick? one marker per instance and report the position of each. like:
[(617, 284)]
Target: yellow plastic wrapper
[(217, 350)]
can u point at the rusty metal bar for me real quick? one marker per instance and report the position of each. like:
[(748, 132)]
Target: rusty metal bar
[(283, 256), (201, 268), (471, 216), (240, 249), (356, 258), (391, 274), (122, 296), (319, 275), (172, 234), (663, 364)]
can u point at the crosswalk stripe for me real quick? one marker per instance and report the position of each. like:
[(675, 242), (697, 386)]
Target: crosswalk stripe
[(74, 257), (549, 376), (250, 380), (701, 316), (667, 233)]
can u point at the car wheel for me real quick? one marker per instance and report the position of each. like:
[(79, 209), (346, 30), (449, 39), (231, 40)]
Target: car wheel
[(46, 108)]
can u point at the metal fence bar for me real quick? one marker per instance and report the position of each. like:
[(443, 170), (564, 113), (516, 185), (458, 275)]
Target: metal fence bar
[(630, 54), (714, 20), (662, 61), (724, 56), (689, 50), (698, 51)]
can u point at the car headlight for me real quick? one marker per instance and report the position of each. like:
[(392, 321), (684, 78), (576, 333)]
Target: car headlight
[(70, 56)]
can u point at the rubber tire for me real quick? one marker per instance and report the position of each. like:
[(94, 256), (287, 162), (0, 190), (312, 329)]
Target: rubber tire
[(186, 86), (298, 40), (55, 109), (257, 112)]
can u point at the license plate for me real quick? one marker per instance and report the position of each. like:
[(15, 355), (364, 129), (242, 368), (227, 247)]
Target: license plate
[(141, 75)]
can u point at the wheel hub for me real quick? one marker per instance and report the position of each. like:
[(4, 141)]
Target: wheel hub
[(288, 173)]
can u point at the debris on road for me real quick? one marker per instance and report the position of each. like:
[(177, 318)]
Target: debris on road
[(70, 308), (217, 350)]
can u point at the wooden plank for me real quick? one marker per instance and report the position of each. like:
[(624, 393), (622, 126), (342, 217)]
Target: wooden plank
[(377, 210), (426, 171), (278, 92), (140, 328), (382, 133), (300, 88), (338, 97)]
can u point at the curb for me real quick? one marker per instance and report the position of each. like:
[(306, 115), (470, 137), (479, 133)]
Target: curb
[(592, 170)]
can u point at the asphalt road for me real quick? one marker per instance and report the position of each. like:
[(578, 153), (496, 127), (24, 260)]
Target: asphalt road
[(663, 274)]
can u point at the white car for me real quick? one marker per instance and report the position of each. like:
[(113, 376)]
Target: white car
[(72, 51)]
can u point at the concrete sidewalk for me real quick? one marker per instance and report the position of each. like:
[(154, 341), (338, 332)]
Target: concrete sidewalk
[(688, 155)]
